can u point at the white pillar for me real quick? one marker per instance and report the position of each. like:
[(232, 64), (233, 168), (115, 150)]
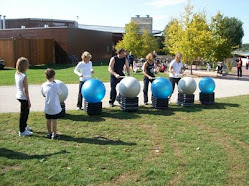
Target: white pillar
[(0, 22), (4, 26)]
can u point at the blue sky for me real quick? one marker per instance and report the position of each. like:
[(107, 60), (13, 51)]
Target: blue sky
[(118, 13)]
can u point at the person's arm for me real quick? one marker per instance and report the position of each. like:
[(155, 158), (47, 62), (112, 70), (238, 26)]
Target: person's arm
[(42, 92), (59, 92), (111, 68), (127, 67), (144, 70), (26, 91), (91, 65), (76, 70)]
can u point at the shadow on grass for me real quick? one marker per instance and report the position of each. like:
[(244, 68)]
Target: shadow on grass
[(83, 117), (10, 154), (200, 107), (153, 111), (99, 140), (117, 113)]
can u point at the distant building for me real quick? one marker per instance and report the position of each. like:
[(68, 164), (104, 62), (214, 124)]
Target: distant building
[(70, 39), (144, 23)]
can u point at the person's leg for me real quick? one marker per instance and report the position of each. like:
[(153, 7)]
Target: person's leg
[(23, 115), (145, 90), (238, 71), (54, 127), (80, 97), (49, 126), (173, 85), (113, 93)]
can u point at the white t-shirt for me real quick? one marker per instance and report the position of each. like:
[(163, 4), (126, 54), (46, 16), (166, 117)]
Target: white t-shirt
[(176, 68), (51, 92), (19, 77), (84, 69)]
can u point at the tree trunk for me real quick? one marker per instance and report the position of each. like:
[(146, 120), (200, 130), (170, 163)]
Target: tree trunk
[(191, 69)]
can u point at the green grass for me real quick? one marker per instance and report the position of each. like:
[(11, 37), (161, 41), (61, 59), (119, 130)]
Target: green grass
[(63, 72), (200, 145)]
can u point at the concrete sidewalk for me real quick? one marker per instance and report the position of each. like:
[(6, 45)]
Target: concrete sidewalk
[(8, 102)]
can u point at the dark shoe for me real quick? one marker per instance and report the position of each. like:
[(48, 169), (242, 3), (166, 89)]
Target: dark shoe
[(145, 103), (111, 104), (49, 136), (56, 137)]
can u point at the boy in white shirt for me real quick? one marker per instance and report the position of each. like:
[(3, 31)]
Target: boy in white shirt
[(83, 70), (50, 90)]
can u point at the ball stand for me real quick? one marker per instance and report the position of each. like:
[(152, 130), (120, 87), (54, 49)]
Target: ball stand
[(207, 99), (160, 103), (128, 104), (92, 108), (186, 100)]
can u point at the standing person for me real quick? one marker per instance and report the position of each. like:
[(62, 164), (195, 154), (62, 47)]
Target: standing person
[(175, 70), (239, 67), (130, 60), (50, 90), (247, 63), (148, 71), (116, 67), (83, 70), (22, 95)]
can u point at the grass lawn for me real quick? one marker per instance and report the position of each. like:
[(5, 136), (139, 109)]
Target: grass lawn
[(63, 72), (201, 145)]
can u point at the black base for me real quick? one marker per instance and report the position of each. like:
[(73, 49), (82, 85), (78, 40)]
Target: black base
[(128, 104), (93, 108), (160, 103), (207, 99), (186, 100)]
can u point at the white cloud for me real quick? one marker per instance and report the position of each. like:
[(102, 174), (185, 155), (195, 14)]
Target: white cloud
[(162, 3)]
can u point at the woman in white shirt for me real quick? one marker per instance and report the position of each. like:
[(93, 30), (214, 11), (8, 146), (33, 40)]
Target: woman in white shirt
[(83, 70)]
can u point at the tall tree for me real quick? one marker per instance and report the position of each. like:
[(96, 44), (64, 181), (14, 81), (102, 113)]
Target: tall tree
[(131, 40), (189, 35), (149, 43)]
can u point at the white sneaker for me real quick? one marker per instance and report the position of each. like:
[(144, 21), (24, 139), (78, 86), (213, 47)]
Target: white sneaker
[(78, 108), (25, 133), (28, 128)]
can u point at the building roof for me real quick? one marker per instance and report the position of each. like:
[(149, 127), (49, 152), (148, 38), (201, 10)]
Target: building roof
[(112, 29)]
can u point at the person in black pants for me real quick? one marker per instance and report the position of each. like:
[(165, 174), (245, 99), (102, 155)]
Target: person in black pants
[(239, 67), (148, 71), (175, 70), (116, 67)]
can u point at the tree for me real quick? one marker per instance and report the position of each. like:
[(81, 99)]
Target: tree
[(131, 40), (227, 35), (149, 43), (189, 35)]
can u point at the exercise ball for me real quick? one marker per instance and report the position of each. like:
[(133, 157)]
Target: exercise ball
[(161, 88), (207, 85), (187, 85), (93, 91), (64, 90), (129, 87)]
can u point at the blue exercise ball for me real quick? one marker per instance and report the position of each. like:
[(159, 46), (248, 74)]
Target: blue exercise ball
[(161, 88), (93, 91), (207, 85)]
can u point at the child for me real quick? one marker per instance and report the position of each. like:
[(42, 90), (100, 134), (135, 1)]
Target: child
[(50, 90), (83, 70), (22, 95), (148, 71)]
